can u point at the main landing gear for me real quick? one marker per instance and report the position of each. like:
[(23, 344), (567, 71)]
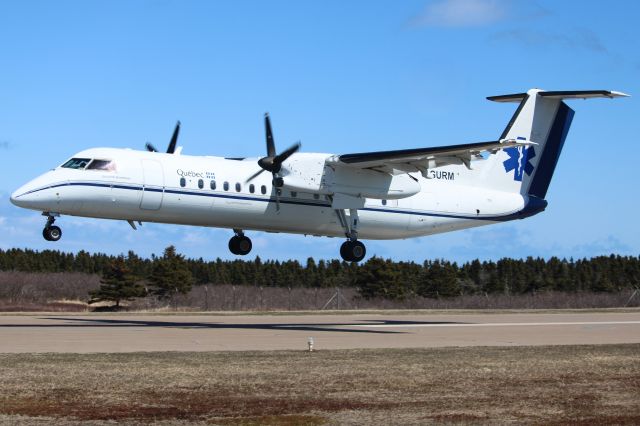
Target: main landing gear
[(50, 231), (240, 244), (351, 250)]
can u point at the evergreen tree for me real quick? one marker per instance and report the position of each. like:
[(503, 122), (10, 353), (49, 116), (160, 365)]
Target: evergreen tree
[(509, 276), (170, 275), (380, 278), (439, 279), (117, 284), (491, 281)]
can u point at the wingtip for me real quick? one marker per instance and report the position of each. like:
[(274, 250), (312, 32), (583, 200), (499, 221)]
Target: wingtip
[(616, 94)]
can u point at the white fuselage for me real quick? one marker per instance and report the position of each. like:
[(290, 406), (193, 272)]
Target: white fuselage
[(166, 188)]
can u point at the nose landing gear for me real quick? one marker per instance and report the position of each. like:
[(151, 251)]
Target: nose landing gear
[(50, 231), (239, 244)]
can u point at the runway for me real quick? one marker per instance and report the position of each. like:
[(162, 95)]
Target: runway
[(40, 333)]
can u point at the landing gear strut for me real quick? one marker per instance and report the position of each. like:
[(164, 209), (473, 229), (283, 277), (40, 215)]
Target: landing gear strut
[(351, 250), (50, 231), (240, 244)]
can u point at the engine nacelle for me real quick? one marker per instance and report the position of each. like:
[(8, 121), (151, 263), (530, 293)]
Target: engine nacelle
[(369, 183), (304, 172), (307, 172)]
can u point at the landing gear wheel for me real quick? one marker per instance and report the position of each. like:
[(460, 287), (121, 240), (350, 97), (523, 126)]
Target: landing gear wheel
[(52, 233), (244, 245), (233, 245), (344, 251), (353, 251), (240, 245)]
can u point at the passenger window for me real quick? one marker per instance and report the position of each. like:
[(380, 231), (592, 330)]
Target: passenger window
[(294, 194), (76, 163), (384, 202), (225, 186), (183, 182), (238, 187), (316, 196), (102, 165), (212, 184), (252, 188), (200, 183), (263, 189)]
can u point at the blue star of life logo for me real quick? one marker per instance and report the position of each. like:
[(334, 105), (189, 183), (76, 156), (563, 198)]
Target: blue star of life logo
[(519, 161)]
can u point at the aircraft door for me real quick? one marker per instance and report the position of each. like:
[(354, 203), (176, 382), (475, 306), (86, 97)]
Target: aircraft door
[(153, 185)]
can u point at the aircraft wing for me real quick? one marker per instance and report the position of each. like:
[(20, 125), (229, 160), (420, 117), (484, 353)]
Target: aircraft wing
[(421, 159)]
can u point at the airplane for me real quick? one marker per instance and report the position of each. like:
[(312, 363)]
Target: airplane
[(380, 195)]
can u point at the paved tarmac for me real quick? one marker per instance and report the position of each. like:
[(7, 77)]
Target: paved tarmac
[(134, 333)]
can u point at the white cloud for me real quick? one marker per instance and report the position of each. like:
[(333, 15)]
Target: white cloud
[(461, 13), (600, 247), (89, 225), (195, 237), (578, 38), (476, 13)]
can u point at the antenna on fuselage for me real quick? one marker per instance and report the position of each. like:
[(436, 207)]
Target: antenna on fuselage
[(172, 143)]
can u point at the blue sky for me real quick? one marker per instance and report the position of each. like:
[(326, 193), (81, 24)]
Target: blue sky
[(339, 76)]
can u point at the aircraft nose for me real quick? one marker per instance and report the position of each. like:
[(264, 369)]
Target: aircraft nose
[(30, 196), (18, 197), (36, 194)]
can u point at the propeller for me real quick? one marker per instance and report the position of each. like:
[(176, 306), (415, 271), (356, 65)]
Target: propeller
[(172, 143), (273, 162)]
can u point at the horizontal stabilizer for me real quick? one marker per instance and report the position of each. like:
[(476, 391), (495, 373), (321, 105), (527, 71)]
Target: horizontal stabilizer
[(441, 153), (514, 97), (564, 94)]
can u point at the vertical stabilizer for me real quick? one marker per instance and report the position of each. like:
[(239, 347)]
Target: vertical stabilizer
[(541, 117), (545, 122)]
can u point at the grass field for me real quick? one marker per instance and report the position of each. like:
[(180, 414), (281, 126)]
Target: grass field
[(539, 385)]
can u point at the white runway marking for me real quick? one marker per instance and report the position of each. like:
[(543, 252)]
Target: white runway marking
[(493, 324)]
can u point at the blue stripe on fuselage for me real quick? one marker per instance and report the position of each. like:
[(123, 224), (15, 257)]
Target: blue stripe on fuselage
[(507, 217)]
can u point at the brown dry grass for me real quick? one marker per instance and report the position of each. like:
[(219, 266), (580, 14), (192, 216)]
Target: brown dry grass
[(536, 385)]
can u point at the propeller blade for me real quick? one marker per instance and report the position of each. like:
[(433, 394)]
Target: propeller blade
[(174, 139), (273, 162), (271, 147), (150, 147), (280, 158), (253, 176)]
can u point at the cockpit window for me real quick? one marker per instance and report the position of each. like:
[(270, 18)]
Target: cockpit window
[(76, 163), (108, 165)]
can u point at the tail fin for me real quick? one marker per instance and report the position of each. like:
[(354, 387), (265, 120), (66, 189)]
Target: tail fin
[(542, 117)]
